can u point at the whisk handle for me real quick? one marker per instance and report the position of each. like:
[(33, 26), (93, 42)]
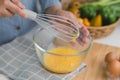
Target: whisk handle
[(31, 15)]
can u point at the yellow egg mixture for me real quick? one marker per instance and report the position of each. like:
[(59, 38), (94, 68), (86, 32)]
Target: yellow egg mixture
[(61, 64)]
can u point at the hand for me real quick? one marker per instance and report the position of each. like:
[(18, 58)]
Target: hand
[(10, 7), (83, 38)]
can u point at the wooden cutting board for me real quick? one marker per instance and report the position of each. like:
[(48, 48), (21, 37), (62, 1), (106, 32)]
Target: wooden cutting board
[(95, 63)]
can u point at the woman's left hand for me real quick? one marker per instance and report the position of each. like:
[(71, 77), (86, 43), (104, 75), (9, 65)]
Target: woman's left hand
[(58, 11)]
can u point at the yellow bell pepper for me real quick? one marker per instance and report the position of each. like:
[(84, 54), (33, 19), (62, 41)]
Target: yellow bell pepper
[(86, 22), (97, 21)]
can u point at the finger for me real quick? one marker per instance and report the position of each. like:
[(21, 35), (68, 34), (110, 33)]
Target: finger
[(84, 29), (7, 13), (18, 3), (86, 40), (81, 38), (75, 20), (15, 9)]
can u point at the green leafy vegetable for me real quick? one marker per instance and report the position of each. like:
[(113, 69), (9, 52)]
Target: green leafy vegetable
[(109, 15), (88, 11), (109, 9)]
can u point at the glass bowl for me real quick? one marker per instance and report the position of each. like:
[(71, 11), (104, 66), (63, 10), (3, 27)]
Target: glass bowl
[(57, 55)]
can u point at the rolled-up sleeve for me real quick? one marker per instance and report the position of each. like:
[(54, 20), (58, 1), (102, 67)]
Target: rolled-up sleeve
[(48, 3)]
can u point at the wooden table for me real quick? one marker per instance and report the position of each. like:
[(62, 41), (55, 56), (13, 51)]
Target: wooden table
[(95, 63)]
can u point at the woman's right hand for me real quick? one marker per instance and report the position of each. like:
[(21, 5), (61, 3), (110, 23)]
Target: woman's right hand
[(10, 7)]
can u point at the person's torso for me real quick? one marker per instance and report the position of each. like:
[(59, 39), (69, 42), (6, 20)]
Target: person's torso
[(15, 26)]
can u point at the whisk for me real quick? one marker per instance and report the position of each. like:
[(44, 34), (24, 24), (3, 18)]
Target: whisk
[(59, 26)]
